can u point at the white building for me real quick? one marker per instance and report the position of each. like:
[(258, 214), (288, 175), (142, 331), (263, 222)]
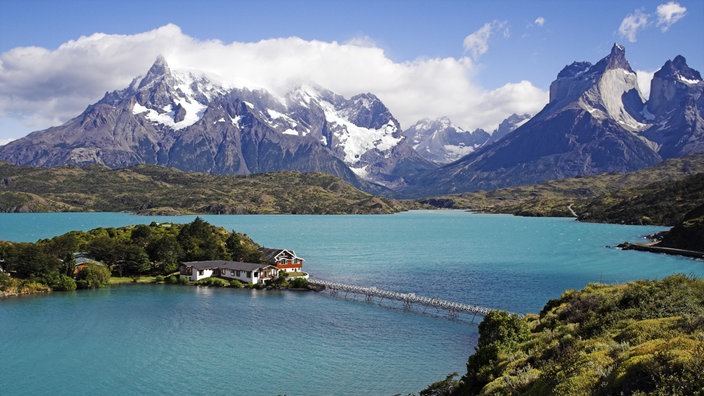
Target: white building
[(245, 272)]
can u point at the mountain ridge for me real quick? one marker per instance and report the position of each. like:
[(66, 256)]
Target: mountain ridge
[(596, 121)]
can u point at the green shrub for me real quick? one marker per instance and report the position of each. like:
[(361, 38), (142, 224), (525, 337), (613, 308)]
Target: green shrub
[(158, 279), (236, 284), (299, 283), (6, 281), (92, 276), (644, 337), (171, 279), (32, 287), (65, 283), (213, 282)]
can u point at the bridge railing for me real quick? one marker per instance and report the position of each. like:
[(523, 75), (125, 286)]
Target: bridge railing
[(454, 308)]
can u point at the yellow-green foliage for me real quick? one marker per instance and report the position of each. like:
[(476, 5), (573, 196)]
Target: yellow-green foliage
[(650, 329), (644, 337)]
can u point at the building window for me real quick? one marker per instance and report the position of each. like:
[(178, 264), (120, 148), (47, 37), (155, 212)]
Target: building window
[(249, 274), (200, 272), (238, 272)]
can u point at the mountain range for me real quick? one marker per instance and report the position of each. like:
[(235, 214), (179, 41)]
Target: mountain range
[(595, 121)]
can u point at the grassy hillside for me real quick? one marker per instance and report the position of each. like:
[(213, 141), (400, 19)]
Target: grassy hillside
[(644, 337), (658, 195), (662, 202), (150, 189)]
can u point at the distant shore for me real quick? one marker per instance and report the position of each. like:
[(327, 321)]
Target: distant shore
[(654, 248)]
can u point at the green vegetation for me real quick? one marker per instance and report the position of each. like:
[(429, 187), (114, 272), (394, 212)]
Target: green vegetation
[(642, 338), (659, 195), (139, 253), (149, 189), (662, 203), (688, 234)]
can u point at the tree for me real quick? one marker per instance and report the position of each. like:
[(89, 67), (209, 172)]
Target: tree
[(68, 264), (92, 276), (29, 260), (446, 387), (198, 241), (141, 234), (63, 283), (499, 332), (103, 249), (242, 248), (131, 259), (64, 245), (165, 252)]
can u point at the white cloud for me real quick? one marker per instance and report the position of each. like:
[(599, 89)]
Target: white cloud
[(644, 79), (41, 88), (632, 24), (668, 14), (477, 43), (539, 21)]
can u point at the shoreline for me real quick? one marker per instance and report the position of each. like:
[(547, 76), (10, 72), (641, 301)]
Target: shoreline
[(654, 248)]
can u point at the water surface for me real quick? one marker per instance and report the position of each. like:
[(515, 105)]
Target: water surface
[(171, 339)]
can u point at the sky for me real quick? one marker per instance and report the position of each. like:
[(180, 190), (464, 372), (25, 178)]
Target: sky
[(476, 62)]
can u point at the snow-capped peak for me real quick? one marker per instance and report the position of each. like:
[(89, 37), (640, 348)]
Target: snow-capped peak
[(174, 99)]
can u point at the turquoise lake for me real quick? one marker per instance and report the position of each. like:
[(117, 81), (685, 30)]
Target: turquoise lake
[(152, 340)]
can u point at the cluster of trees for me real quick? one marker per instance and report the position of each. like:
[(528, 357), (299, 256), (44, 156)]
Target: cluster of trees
[(645, 337), (154, 249)]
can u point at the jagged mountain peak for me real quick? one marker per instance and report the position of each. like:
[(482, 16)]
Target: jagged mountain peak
[(608, 89), (678, 69), (586, 70), (671, 84), (617, 59), (159, 70)]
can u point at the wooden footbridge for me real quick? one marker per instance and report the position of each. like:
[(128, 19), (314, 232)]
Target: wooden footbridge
[(453, 309)]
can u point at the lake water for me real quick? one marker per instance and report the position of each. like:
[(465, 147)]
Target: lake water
[(171, 339)]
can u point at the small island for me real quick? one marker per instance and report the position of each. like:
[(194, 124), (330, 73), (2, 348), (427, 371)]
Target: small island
[(196, 253)]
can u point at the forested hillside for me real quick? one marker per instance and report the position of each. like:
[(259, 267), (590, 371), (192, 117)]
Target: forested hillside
[(149, 189)]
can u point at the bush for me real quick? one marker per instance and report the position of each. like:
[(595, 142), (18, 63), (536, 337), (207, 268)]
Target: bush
[(212, 281), (158, 279), (171, 279), (92, 276), (5, 281), (236, 284), (65, 283), (32, 287), (299, 283), (183, 281)]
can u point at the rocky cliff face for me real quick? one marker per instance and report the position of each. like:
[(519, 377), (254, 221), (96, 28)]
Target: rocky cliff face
[(675, 110), (593, 123), (187, 121)]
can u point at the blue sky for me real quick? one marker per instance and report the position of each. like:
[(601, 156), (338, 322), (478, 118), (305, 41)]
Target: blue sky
[(479, 60)]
